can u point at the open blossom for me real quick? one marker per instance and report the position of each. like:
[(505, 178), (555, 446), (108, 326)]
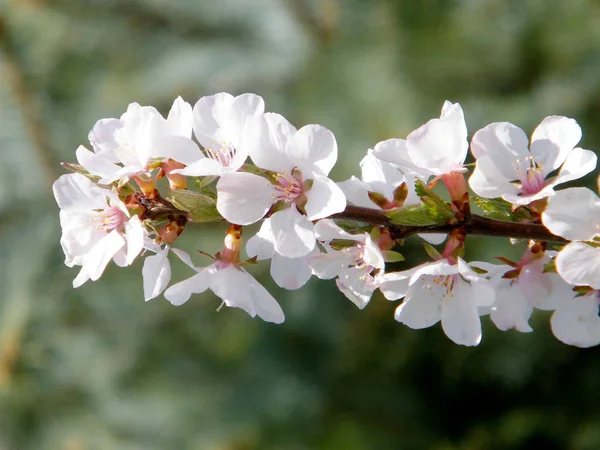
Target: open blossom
[(227, 279), (124, 148), (523, 285), (435, 149), (356, 266), (96, 227), (574, 214), (510, 167), (441, 291), (220, 126), (299, 190)]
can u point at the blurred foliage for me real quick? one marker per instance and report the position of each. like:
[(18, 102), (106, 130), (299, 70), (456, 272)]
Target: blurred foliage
[(96, 368)]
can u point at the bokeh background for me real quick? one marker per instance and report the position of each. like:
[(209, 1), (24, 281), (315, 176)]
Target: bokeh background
[(97, 368)]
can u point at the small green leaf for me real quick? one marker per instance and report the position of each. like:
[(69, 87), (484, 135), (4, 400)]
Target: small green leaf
[(432, 251), (200, 207), (436, 205), (392, 256), (414, 215)]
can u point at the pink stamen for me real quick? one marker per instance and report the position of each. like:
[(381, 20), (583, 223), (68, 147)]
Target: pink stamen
[(110, 219), (531, 176), (289, 187)]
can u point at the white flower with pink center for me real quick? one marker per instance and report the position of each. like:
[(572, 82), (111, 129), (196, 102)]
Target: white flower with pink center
[(297, 187), (227, 278), (220, 127), (356, 266), (511, 167), (96, 227), (125, 147), (436, 148), (452, 293)]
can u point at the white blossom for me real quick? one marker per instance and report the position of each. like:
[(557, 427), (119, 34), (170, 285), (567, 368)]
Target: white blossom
[(510, 167)]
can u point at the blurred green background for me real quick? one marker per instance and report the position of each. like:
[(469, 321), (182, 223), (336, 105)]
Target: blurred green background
[(97, 368)]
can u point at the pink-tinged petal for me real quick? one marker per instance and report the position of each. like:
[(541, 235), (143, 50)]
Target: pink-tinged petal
[(395, 151), (243, 198), (178, 148), (579, 264), (290, 273), (453, 114), (579, 163), (201, 168), (181, 292), (209, 114), (266, 140), (122, 174), (96, 260), (156, 274), (504, 143), (327, 230), (293, 233), (265, 304), (325, 198), (313, 149), (75, 192), (487, 181), (357, 192), (574, 214), (94, 163), (460, 318), (552, 141), (81, 278), (134, 235), (521, 200), (180, 118), (422, 306), (261, 244), (120, 258), (511, 310), (381, 176), (103, 138), (232, 285), (577, 322)]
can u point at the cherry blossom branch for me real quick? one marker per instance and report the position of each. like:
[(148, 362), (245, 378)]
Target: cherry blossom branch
[(475, 225)]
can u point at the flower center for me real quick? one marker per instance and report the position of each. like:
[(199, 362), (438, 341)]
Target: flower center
[(447, 283), (224, 154), (109, 219), (530, 175), (289, 186)]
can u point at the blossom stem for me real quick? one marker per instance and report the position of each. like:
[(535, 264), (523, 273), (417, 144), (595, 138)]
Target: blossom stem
[(474, 225)]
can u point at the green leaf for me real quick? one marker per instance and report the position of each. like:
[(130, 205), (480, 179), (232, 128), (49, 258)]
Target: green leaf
[(499, 209), (437, 206), (392, 257), (200, 207), (414, 215), (432, 251)]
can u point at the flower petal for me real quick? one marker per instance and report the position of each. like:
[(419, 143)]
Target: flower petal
[(579, 264), (357, 192), (261, 244), (313, 149), (290, 273), (266, 139), (552, 141), (134, 235), (579, 162), (511, 310), (243, 198), (577, 322), (573, 213), (75, 192), (210, 113), (293, 233), (156, 274), (181, 292), (422, 306), (96, 164), (325, 198), (460, 318)]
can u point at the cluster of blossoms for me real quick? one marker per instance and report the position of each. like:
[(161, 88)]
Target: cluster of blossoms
[(247, 166)]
